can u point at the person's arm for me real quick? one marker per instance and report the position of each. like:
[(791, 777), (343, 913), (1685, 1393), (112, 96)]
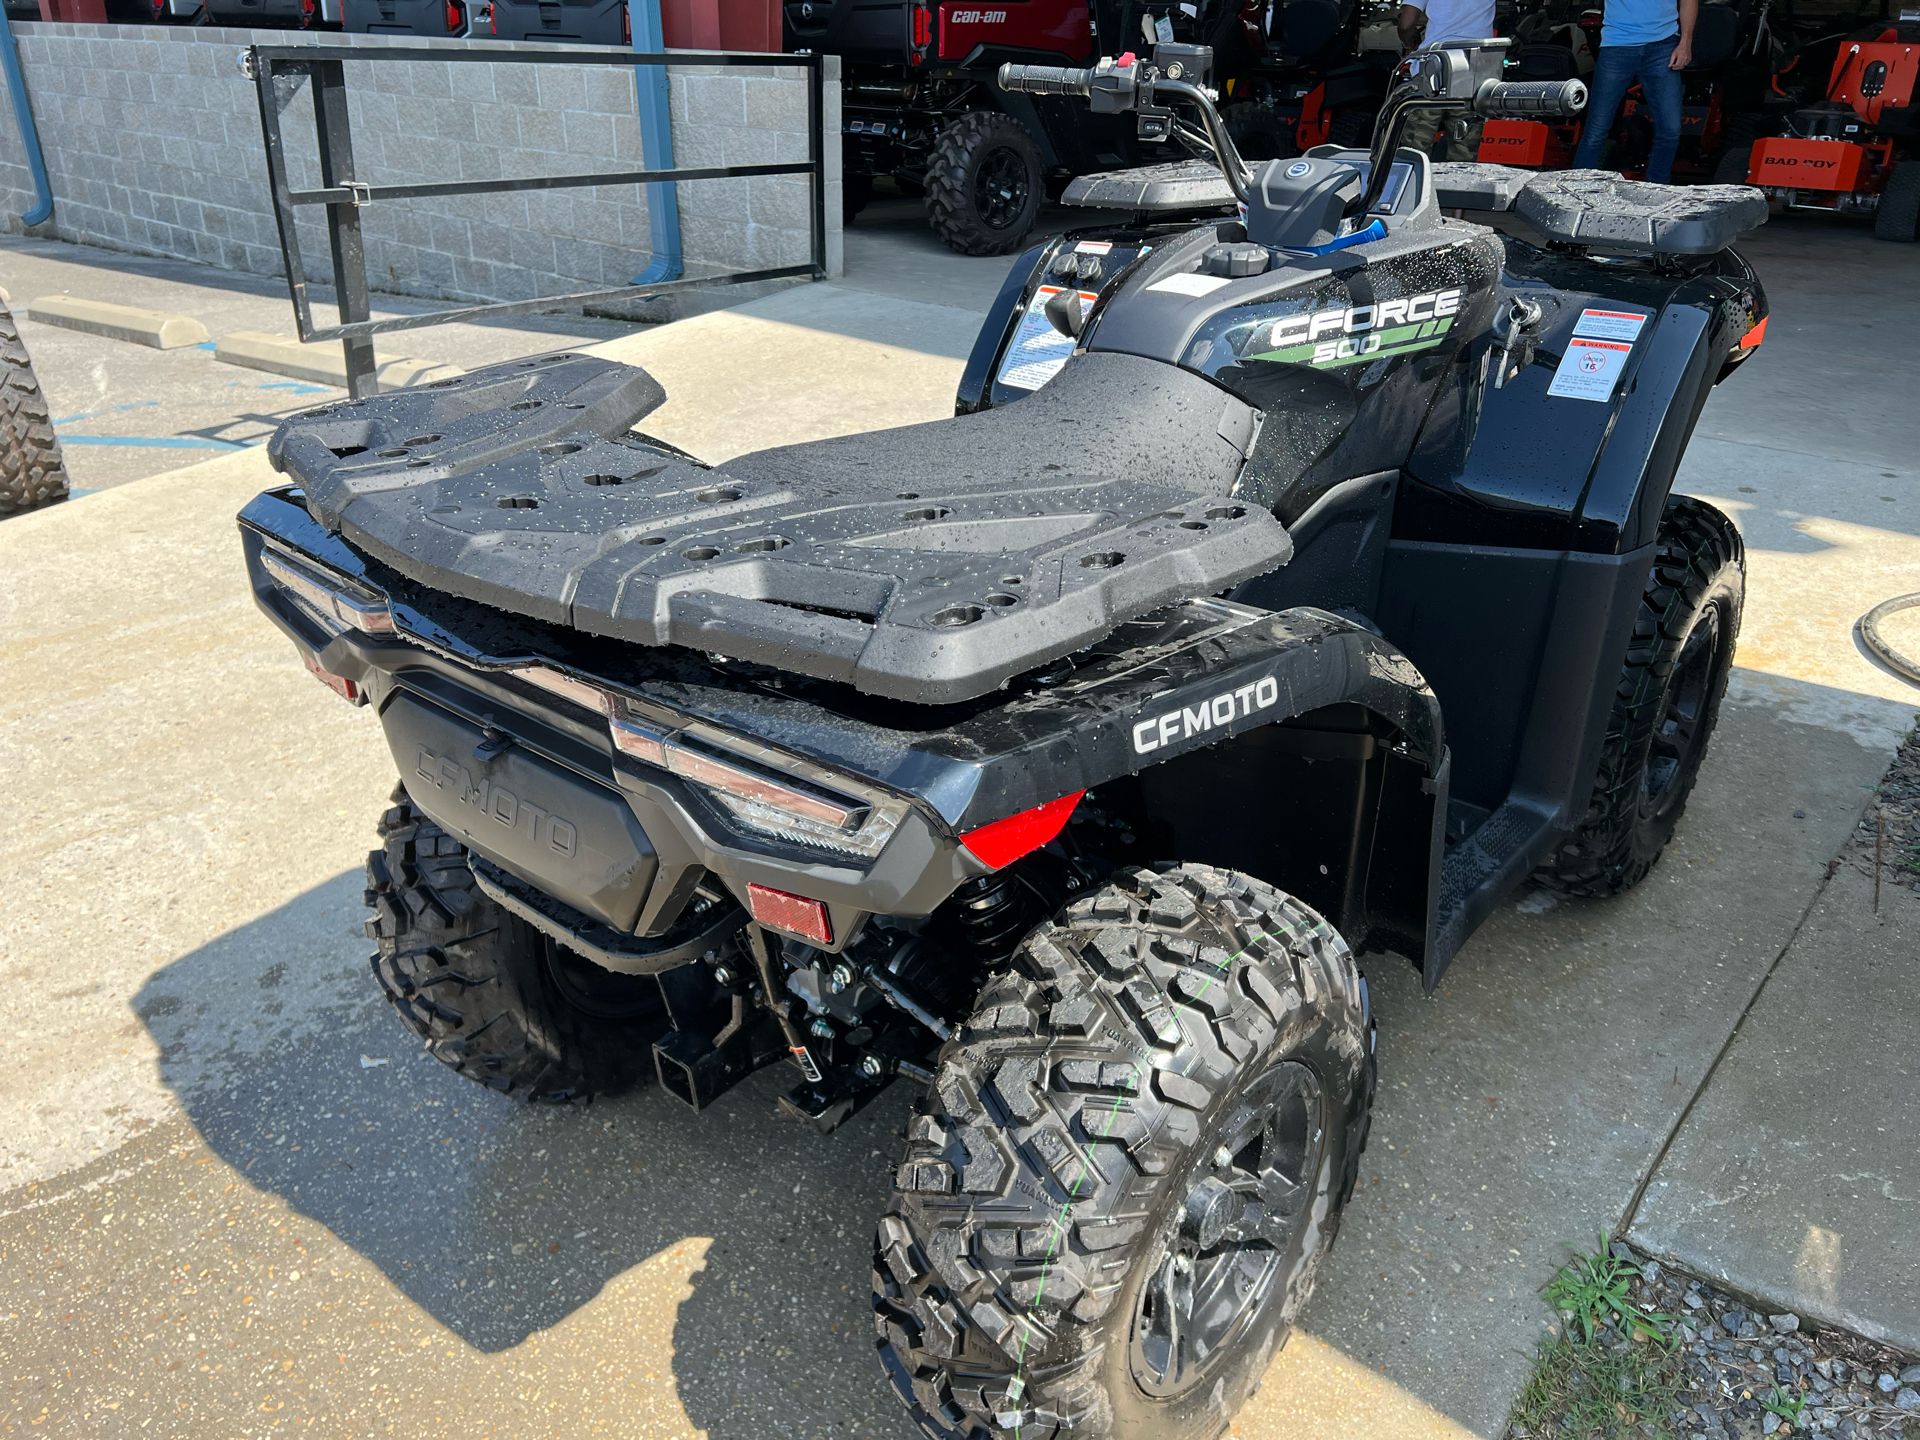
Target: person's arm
[(1683, 51), (1413, 22)]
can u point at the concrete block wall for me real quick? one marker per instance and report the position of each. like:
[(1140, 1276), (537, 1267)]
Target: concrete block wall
[(153, 144)]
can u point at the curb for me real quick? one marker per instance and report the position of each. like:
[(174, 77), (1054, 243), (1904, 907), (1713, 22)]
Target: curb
[(323, 364), (159, 329)]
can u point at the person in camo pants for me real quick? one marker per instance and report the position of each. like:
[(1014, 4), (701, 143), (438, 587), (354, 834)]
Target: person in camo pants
[(1423, 22)]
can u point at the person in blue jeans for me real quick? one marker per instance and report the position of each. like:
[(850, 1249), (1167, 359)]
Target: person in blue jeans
[(1650, 41)]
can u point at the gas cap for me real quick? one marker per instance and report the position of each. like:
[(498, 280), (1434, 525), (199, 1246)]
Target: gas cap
[(1236, 259)]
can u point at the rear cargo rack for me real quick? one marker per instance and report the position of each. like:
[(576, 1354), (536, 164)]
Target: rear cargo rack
[(931, 563)]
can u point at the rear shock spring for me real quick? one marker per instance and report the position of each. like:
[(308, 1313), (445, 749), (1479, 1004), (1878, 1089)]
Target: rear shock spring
[(992, 913)]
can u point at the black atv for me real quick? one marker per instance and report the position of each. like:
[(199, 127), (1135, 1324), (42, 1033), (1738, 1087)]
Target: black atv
[(1059, 756)]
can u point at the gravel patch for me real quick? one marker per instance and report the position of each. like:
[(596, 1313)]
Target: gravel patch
[(1734, 1371), (1887, 839)]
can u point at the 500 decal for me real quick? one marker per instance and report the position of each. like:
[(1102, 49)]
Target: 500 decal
[(1213, 713), (1351, 334)]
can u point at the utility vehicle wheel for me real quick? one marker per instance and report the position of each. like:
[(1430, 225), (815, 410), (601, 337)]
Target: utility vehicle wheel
[(1351, 129), (1733, 165), (1666, 704), (1259, 133), (1897, 217), (492, 996), (32, 473), (856, 191), (1131, 1161), (984, 184)]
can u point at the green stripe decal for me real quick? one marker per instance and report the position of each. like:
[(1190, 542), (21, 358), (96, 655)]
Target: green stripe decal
[(1400, 340)]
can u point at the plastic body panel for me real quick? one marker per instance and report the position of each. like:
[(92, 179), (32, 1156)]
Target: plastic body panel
[(1780, 160), (1156, 691)]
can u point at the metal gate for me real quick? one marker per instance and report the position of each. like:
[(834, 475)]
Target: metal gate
[(344, 196)]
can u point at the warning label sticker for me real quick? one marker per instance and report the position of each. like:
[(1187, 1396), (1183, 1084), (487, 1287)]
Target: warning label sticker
[(1590, 369), (1038, 350), (1609, 325)]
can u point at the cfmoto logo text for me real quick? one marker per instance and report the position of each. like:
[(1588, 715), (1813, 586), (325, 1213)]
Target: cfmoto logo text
[(1211, 714), (498, 804)]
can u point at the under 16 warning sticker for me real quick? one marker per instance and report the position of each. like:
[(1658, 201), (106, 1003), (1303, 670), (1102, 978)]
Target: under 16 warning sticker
[(1597, 353), (1038, 350), (1590, 369)]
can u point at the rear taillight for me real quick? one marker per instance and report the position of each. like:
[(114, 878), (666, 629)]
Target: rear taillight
[(922, 33), (328, 598), (762, 800)]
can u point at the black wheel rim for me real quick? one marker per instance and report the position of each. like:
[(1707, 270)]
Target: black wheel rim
[(1680, 729), (600, 992), (1239, 1220), (1000, 188)]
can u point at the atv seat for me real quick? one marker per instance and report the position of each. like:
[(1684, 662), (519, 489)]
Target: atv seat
[(1597, 208), (932, 562)]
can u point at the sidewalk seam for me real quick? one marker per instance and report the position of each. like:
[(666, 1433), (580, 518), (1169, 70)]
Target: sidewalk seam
[(1632, 1211)]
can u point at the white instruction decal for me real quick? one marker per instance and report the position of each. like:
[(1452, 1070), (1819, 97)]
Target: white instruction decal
[(1038, 350), (1195, 285), (1609, 325), (1590, 369), (1093, 247)]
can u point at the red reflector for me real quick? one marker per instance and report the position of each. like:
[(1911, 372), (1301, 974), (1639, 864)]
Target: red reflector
[(1005, 841), (339, 684), (1754, 336), (793, 913)]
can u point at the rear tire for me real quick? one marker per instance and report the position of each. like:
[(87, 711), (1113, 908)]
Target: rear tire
[(1733, 165), (1169, 1038), (492, 997), (1665, 706), (32, 471), (984, 184), (1897, 217), (1259, 133)]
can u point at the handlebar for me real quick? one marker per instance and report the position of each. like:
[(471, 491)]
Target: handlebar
[(1526, 99), (1046, 80)]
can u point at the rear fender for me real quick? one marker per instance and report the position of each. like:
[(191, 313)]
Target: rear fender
[(1294, 745)]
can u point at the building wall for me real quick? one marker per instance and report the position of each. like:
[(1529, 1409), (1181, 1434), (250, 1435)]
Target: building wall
[(153, 144)]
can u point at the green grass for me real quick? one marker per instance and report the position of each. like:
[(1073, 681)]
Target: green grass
[(1586, 1390), (1588, 1383), (1597, 1289)]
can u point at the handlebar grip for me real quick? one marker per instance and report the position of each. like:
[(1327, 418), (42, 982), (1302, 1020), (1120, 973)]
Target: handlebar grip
[(1046, 80), (1524, 99)]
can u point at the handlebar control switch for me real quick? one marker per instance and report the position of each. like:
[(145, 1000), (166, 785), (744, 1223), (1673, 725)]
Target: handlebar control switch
[(1236, 260)]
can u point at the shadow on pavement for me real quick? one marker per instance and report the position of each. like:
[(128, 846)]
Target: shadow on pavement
[(499, 1219)]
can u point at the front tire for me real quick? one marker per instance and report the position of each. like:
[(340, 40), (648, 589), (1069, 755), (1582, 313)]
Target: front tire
[(1665, 705), (1118, 1190), (984, 184), (491, 996)]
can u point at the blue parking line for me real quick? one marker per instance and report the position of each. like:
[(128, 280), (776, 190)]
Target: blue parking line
[(154, 442)]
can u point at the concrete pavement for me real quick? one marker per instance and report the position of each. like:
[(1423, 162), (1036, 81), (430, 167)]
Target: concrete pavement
[(236, 1199)]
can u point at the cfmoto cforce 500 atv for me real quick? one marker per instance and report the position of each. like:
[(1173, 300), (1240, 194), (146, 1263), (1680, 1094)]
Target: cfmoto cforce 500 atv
[(1292, 582)]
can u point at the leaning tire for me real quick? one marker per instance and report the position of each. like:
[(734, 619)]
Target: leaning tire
[(492, 997), (32, 472), (1665, 706), (984, 184), (1897, 216), (1171, 1039)]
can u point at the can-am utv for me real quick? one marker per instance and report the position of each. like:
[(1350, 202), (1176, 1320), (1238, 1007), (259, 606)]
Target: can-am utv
[(1289, 585)]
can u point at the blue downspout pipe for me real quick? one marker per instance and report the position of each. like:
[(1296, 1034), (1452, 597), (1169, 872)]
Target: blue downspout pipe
[(656, 144), (42, 210)]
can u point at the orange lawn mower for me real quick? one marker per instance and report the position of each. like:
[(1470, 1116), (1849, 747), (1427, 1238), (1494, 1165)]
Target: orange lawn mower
[(1855, 153)]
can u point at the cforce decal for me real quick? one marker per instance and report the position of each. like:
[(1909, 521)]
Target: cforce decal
[(1354, 334)]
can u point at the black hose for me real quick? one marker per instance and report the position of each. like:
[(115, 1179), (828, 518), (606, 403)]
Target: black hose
[(1903, 666)]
